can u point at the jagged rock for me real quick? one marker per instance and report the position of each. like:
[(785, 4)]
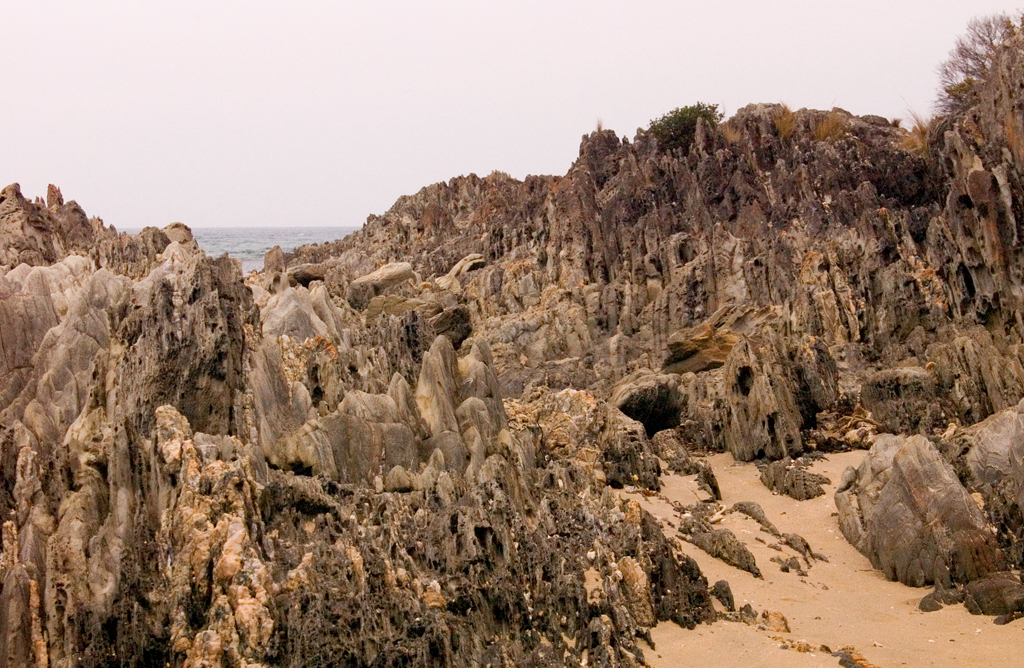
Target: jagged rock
[(178, 232), (275, 270), (798, 543), (34, 300), (629, 458), (454, 324), (436, 391), (791, 279), (723, 592), (907, 512), (753, 510), (669, 447), (362, 289), (707, 346), (899, 398), (723, 544), (36, 234), (791, 478)]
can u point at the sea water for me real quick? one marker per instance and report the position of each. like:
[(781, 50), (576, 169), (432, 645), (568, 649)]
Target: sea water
[(250, 244)]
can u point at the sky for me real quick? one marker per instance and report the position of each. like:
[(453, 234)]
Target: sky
[(320, 113)]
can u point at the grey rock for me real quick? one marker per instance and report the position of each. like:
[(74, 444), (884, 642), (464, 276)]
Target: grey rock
[(905, 509)]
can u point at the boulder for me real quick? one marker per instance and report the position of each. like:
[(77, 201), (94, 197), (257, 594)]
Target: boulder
[(905, 509), (995, 594)]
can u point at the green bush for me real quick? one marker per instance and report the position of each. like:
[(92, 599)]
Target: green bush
[(676, 128)]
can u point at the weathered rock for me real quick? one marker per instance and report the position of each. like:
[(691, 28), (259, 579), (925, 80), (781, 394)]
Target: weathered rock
[(723, 544), (907, 512), (451, 280), (789, 477), (629, 458), (669, 447), (798, 543), (754, 511), (723, 592), (995, 594), (986, 446), (362, 289), (899, 398), (793, 286), (707, 346)]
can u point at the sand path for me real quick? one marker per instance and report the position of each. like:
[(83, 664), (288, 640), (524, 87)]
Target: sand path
[(842, 603)]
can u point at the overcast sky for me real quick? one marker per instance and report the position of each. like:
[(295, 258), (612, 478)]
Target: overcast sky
[(320, 113)]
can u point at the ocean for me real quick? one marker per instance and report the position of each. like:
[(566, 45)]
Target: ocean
[(250, 244)]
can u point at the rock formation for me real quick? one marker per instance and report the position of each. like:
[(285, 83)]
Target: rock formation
[(401, 448)]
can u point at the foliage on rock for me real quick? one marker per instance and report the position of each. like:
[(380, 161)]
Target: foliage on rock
[(969, 63), (676, 129)]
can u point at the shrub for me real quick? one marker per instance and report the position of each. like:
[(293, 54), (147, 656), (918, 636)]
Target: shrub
[(830, 128), (676, 128), (785, 121), (968, 65)]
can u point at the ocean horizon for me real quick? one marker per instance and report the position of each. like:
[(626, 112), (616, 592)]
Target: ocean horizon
[(251, 244)]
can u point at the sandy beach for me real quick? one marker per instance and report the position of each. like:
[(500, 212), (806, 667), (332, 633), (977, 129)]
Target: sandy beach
[(841, 603)]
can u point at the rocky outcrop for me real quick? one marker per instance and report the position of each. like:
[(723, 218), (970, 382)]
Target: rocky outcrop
[(707, 346), (790, 274), (203, 471), (905, 509), (398, 448)]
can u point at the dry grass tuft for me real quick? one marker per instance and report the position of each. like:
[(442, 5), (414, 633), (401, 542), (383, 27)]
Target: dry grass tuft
[(917, 139), (730, 133), (830, 128), (785, 121), (600, 126)]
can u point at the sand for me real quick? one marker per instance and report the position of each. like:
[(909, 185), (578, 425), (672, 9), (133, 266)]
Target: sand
[(842, 603)]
